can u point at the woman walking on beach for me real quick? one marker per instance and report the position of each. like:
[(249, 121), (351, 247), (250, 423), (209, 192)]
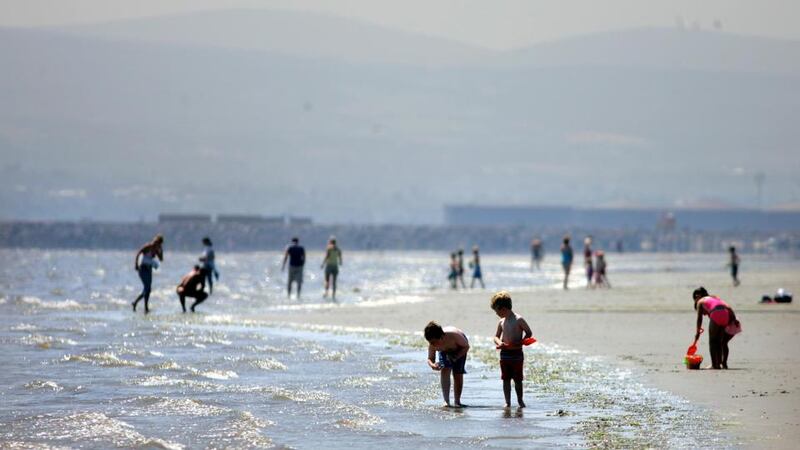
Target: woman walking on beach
[(722, 325), (331, 263), (151, 254)]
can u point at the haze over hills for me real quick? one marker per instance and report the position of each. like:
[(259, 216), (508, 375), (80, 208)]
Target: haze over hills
[(101, 122), (293, 33)]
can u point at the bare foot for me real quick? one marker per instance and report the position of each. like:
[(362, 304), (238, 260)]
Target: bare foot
[(508, 405), (134, 306), (520, 403), (459, 405)]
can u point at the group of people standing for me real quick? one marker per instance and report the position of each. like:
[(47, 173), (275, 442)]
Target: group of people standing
[(456, 274), (192, 284), (295, 255), (595, 269)]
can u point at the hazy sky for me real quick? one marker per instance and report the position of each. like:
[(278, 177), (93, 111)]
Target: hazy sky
[(496, 24)]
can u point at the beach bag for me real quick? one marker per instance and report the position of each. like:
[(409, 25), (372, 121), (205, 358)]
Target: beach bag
[(734, 328)]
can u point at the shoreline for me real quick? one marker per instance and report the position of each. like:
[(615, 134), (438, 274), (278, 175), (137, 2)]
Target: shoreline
[(645, 324)]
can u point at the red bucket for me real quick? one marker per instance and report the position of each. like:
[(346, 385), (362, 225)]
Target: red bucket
[(693, 361)]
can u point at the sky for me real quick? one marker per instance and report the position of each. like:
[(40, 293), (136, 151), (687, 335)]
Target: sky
[(348, 122), (504, 24)]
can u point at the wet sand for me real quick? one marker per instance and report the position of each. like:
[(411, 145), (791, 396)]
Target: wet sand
[(645, 321)]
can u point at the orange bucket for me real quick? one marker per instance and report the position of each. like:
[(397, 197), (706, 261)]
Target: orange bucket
[(693, 361)]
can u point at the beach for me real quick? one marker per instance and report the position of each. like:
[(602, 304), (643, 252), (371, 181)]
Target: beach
[(645, 322), (253, 369)]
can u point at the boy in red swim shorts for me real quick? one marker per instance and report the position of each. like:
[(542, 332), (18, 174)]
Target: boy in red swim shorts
[(511, 330)]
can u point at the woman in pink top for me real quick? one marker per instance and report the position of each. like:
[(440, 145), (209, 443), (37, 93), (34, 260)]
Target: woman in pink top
[(722, 325)]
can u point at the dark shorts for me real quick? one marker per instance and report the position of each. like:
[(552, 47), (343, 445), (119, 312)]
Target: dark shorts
[(458, 365), (511, 362), (511, 370), (296, 274), (331, 270)]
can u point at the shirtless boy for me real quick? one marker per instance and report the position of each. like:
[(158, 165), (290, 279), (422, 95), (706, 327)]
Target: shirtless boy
[(192, 285), (451, 345), (511, 330)]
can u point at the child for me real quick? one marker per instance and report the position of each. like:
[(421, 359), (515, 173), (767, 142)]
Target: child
[(600, 279), (451, 345), (192, 285), (511, 330), (722, 325)]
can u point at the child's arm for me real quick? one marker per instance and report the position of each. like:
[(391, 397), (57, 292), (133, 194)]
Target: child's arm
[(497, 341), (432, 358), (285, 257), (526, 329)]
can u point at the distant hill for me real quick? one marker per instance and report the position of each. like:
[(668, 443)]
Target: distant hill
[(313, 35), (302, 34), (115, 128), (671, 49)]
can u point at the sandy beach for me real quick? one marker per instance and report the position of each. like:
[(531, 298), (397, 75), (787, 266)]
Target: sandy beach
[(645, 322)]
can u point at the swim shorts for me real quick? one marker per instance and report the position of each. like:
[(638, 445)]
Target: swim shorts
[(511, 364), (458, 365), (511, 370)]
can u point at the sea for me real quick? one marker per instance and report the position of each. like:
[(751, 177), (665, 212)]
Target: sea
[(82, 370)]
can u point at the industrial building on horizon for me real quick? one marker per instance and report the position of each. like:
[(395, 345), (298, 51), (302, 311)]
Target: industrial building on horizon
[(707, 219)]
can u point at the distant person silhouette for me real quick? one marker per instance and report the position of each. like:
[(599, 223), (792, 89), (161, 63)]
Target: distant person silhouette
[(151, 254), (600, 279), (475, 264), (331, 264), (209, 264), (536, 253), (453, 275), (296, 255), (734, 265), (587, 260), (192, 285), (461, 268), (566, 259)]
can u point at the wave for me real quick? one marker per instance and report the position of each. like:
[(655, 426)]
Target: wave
[(86, 428), (106, 359), (45, 342), (159, 406), (36, 302), (43, 385)]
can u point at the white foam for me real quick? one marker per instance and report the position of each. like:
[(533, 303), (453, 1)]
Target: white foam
[(53, 304), (103, 359), (44, 385), (396, 300), (219, 374)]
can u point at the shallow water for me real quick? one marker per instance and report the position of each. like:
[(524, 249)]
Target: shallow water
[(82, 370)]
